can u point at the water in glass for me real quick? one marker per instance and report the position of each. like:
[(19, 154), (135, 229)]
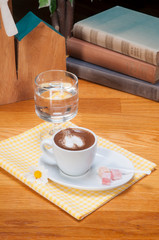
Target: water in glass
[(56, 101)]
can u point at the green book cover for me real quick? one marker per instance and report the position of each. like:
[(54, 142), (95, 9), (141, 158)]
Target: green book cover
[(27, 24), (117, 27)]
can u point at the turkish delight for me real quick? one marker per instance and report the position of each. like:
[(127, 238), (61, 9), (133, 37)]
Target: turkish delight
[(107, 175), (116, 174), (106, 178)]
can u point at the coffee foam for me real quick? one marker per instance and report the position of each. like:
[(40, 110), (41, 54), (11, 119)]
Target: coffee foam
[(74, 139), (73, 142)]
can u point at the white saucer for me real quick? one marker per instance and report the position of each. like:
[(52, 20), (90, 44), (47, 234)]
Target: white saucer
[(91, 180)]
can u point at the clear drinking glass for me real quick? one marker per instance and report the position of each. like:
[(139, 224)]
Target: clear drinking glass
[(56, 98)]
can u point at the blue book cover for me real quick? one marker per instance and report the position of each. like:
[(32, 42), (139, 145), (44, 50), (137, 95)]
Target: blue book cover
[(124, 30), (112, 79)]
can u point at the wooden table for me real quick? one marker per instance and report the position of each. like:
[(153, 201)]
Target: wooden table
[(129, 121)]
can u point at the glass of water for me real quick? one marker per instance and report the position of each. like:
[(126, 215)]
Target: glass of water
[(56, 98)]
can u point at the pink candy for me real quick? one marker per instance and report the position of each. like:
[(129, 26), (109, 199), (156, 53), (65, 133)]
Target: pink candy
[(107, 175), (102, 170), (116, 174), (106, 178)]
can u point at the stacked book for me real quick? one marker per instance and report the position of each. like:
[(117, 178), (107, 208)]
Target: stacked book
[(118, 48)]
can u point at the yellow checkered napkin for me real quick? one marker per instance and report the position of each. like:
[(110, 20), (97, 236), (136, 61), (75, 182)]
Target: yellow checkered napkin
[(19, 152)]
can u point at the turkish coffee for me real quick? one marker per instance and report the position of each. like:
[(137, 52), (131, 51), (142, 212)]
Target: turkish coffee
[(74, 139)]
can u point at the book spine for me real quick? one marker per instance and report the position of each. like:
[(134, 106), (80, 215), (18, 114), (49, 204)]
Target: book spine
[(113, 79), (115, 43), (112, 60)]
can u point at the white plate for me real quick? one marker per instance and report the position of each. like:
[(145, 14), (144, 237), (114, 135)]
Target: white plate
[(91, 180)]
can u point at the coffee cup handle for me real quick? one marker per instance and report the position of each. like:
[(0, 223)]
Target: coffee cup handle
[(50, 156)]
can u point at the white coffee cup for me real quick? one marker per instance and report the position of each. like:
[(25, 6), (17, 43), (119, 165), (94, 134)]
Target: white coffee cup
[(70, 162)]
